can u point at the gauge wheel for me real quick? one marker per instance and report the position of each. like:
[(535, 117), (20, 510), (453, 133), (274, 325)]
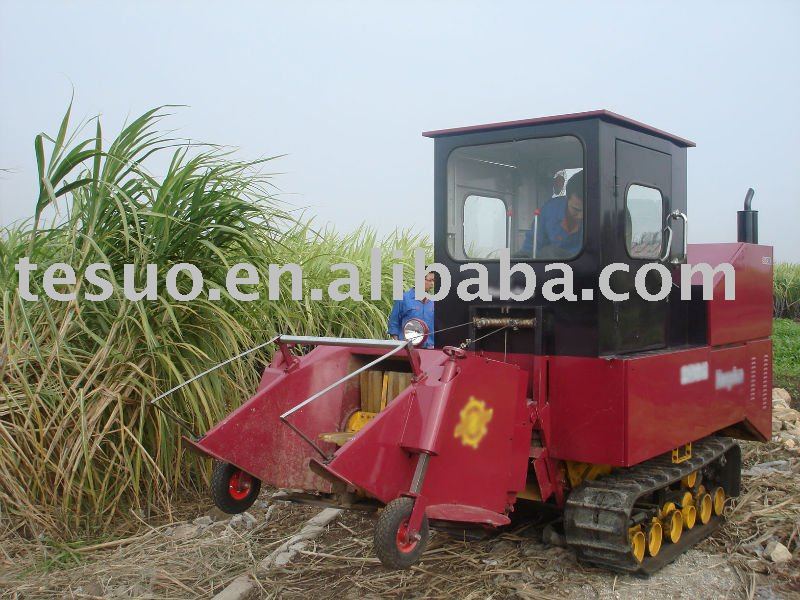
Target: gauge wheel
[(233, 490), (393, 548)]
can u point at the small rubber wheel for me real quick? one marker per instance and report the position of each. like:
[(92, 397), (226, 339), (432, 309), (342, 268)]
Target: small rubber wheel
[(391, 545), (233, 490)]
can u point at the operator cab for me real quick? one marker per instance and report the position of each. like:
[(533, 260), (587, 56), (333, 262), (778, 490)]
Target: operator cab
[(585, 189)]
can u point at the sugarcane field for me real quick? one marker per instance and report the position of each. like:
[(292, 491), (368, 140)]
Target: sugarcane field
[(413, 301)]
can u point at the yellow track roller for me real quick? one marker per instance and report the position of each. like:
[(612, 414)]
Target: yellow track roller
[(719, 501), (655, 535), (706, 506), (689, 480), (638, 542), (688, 510), (671, 522)]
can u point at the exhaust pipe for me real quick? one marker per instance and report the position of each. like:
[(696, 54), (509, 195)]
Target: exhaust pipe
[(747, 221)]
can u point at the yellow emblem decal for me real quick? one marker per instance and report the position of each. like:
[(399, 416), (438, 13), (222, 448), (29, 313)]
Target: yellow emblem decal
[(474, 419)]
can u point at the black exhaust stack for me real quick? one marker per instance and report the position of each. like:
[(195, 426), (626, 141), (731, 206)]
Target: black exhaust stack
[(748, 221)]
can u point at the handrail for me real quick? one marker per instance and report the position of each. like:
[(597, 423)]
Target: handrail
[(333, 341)]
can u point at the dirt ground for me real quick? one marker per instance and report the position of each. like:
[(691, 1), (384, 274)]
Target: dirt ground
[(200, 554)]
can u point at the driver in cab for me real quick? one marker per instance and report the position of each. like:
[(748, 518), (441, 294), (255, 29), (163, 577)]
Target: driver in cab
[(560, 231)]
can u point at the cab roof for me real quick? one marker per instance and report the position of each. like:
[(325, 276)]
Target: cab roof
[(604, 115)]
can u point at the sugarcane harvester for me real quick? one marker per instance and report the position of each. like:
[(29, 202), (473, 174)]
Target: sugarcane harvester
[(622, 412)]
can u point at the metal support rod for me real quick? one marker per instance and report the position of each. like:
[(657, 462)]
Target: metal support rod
[(307, 439), (182, 423), (332, 341), (384, 343), (419, 473), (214, 368)]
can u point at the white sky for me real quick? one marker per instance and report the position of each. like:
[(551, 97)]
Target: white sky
[(345, 89)]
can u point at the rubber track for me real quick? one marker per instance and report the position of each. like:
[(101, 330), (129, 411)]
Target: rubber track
[(597, 513)]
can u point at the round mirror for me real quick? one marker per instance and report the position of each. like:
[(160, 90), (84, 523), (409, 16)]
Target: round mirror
[(415, 331)]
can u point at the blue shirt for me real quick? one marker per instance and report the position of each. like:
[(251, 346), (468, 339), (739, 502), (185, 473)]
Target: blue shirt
[(551, 230), (410, 308)]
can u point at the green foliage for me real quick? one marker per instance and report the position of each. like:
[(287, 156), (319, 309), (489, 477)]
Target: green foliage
[(786, 355), (79, 443), (787, 291)]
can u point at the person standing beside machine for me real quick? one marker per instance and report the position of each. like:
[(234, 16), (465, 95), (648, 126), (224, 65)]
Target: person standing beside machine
[(410, 308)]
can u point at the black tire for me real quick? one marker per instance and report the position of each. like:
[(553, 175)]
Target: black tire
[(228, 496), (387, 545)]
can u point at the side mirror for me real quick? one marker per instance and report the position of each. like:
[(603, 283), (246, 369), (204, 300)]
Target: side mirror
[(416, 332), (679, 259)]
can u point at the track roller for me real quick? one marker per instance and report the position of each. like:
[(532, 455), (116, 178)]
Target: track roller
[(706, 508), (719, 501), (671, 522), (638, 542), (688, 510), (655, 535), (690, 480)]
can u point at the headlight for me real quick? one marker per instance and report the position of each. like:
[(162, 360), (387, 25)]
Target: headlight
[(415, 331)]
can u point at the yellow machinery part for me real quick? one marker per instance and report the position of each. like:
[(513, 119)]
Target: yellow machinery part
[(531, 491), (666, 509), (672, 523), (638, 542), (682, 453), (371, 384), (377, 389), (689, 514), (655, 535), (689, 480), (578, 471), (358, 419), (719, 501), (706, 507), (384, 390), (688, 510)]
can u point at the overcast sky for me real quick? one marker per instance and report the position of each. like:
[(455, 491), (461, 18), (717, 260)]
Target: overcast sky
[(345, 89)]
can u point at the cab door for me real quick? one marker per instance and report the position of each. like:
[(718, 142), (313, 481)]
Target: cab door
[(643, 188)]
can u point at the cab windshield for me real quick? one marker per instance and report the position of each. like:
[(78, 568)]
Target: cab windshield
[(524, 195)]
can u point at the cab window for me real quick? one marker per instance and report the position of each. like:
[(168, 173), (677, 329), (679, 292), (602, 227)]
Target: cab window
[(644, 218), (484, 226), (524, 195)]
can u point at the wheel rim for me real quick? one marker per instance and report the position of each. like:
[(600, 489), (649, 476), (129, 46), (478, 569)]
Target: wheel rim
[(239, 485), (689, 514), (655, 535), (674, 522), (404, 543), (638, 545), (719, 501), (705, 508), (690, 479)]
